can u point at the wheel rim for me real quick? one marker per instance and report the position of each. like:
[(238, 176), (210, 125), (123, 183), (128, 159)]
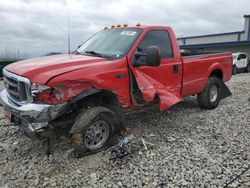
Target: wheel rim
[(96, 135), (213, 93)]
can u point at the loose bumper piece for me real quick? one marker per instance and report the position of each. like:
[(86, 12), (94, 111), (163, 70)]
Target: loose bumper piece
[(33, 117)]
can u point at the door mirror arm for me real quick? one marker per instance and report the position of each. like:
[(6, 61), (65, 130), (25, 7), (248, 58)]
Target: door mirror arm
[(153, 57), (136, 60)]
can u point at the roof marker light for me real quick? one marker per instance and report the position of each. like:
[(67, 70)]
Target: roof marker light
[(138, 24)]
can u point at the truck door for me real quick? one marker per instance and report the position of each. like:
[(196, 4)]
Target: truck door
[(244, 61), (164, 80)]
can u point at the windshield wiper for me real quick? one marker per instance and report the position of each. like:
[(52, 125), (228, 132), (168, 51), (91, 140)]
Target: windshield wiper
[(94, 53), (98, 54), (76, 52)]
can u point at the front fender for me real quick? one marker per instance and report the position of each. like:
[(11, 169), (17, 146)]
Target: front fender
[(84, 94)]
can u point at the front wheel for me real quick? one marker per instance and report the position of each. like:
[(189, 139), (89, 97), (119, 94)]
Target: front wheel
[(210, 97), (94, 130)]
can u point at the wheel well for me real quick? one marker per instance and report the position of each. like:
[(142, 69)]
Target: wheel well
[(101, 98), (217, 73)]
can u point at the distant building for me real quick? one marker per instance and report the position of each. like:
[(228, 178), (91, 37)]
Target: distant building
[(238, 41)]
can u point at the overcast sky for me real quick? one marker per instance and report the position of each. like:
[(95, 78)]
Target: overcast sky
[(36, 27)]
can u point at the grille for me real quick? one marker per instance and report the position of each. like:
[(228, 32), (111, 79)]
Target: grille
[(17, 87)]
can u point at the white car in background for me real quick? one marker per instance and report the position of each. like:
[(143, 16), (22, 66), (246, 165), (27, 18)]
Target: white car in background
[(240, 62)]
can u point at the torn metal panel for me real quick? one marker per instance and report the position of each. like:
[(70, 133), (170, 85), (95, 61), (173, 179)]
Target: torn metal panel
[(150, 87)]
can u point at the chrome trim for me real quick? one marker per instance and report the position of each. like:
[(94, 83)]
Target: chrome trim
[(29, 109), (36, 126), (15, 76), (27, 82)]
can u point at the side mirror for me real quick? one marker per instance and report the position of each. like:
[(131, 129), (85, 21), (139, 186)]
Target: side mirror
[(153, 56)]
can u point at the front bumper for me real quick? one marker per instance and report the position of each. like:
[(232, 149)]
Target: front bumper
[(33, 117)]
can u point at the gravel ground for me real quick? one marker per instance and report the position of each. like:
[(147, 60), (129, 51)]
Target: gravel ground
[(208, 149)]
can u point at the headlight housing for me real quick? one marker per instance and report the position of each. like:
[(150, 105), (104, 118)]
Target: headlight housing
[(44, 94)]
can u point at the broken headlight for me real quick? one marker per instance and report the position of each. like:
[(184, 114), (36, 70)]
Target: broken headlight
[(45, 95), (58, 94)]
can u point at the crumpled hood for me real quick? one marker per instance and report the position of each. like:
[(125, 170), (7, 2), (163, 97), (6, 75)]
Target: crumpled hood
[(40, 70)]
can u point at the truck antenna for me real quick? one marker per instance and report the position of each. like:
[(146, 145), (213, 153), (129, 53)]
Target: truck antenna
[(68, 37)]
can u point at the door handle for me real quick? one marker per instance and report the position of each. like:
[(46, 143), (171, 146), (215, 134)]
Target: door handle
[(175, 69)]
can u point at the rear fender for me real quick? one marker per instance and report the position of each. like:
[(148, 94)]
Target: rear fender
[(214, 67)]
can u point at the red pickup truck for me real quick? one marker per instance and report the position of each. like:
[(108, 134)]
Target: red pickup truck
[(118, 68)]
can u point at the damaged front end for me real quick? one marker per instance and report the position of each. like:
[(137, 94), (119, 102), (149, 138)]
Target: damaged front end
[(33, 107), (19, 99), (31, 118)]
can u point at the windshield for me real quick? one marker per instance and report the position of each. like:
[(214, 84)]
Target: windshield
[(235, 56), (110, 43)]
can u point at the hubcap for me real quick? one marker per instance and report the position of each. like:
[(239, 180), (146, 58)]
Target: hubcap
[(213, 93), (96, 135)]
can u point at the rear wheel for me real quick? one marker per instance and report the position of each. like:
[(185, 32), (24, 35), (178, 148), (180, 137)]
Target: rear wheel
[(234, 70), (94, 130), (210, 97)]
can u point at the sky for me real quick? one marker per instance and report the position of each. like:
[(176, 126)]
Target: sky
[(31, 28)]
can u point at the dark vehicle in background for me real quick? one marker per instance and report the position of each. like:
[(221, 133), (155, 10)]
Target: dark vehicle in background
[(4, 63)]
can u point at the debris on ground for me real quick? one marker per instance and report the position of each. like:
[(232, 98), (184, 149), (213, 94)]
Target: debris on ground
[(145, 143), (170, 139), (122, 149)]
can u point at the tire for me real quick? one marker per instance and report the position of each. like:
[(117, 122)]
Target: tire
[(248, 67), (94, 130), (235, 71), (210, 97)]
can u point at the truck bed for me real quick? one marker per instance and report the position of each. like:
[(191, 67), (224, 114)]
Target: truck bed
[(198, 66)]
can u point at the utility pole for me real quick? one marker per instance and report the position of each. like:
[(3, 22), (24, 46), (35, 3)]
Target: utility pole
[(68, 37)]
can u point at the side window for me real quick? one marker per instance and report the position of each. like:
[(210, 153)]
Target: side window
[(243, 56), (158, 38), (239, 57)]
